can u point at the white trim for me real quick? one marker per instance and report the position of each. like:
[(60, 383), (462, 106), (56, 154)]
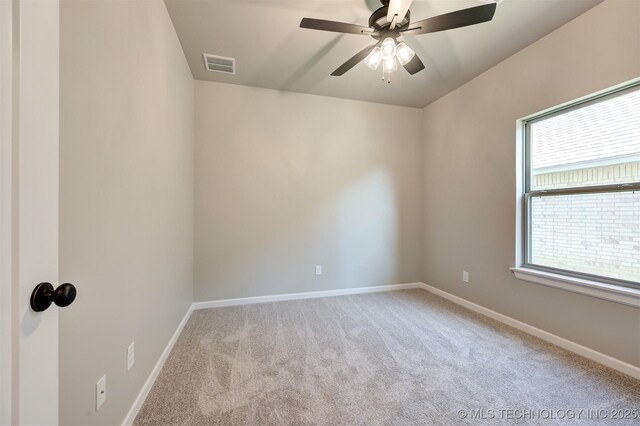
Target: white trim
[(520, 173), (306, 295), (616, 364), (611, 292), (7, 359), (148, 384)]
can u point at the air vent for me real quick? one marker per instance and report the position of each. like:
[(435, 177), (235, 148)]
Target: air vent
[(219, 64)]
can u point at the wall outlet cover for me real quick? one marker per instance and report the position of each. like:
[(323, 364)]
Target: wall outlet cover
[(101, 392), (131, 355), (318, 269), (465, 276)]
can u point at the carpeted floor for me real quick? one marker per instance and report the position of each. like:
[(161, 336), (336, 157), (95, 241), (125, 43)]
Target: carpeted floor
[(401, 357)]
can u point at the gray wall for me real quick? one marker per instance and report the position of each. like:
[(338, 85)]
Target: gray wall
[(126, 198), (286, 181), (470, 159)]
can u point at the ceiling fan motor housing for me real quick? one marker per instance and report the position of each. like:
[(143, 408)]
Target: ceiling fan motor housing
[(378, 21)]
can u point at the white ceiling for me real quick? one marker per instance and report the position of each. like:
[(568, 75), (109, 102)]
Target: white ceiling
[(271, 50)]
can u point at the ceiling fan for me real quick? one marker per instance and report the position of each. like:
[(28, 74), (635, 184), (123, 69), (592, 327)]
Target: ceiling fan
[(392, 21)]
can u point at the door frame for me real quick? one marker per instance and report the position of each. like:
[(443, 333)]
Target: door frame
[(29, 152), (6, 89)]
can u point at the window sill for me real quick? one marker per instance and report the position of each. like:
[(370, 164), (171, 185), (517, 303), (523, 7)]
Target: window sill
[(614, 293)]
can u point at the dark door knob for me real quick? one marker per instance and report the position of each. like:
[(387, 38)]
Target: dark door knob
[(44, 295)]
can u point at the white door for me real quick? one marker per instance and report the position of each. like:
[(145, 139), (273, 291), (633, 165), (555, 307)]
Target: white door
[(29, 56)]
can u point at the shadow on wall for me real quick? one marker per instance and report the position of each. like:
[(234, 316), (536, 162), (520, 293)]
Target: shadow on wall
[(300, 187), (354, 233), (369, 229)]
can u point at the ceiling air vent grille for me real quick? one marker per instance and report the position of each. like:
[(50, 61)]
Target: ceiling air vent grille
[(219, 64)]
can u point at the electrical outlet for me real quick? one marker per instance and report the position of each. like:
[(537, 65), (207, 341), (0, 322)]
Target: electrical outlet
[(131, 355), (318, 269), (101, 392), (465, 276)]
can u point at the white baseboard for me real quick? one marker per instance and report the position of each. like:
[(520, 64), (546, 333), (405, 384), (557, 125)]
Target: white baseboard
[(148, 384), (305, 295), (588, 353)]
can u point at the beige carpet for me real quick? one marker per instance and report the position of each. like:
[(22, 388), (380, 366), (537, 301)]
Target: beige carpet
[(403, 357)]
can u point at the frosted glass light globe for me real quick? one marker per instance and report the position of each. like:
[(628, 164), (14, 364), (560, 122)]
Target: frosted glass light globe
[(404, 53), (373, 59), (390, 65), (388, 48)]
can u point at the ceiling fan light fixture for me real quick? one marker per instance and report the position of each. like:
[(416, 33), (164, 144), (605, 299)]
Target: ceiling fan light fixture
[(374, 58), (404, 53), (388, 48)]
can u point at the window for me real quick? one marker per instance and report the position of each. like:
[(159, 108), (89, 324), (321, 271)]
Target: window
[(582, 189)]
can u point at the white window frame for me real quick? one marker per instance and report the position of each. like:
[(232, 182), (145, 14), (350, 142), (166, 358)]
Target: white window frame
[(620, 291)]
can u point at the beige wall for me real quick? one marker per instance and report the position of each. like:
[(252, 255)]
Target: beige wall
[(126, 198), (287, 181), (470, 166)]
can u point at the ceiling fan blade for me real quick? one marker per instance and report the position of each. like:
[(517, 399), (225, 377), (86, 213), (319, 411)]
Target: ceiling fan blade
[(398, 7), (336, 27), (353, 61), (457, 19), (414, 65)]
